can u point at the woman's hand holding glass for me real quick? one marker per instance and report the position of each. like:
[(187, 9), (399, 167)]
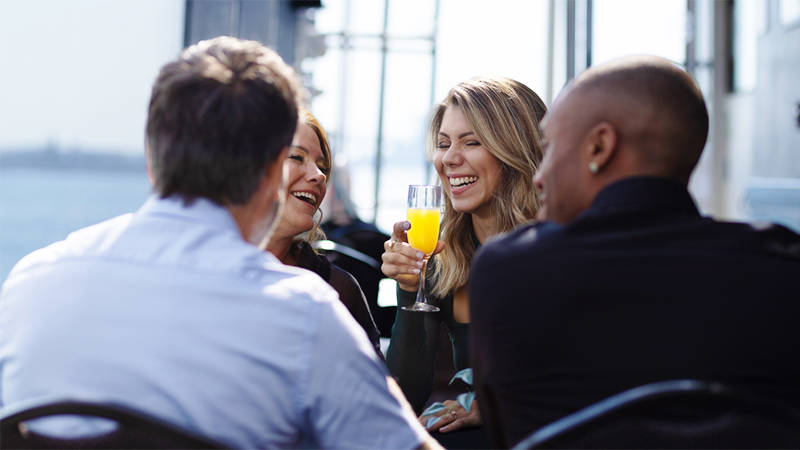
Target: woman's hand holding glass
[(401, 261), (424, 212)]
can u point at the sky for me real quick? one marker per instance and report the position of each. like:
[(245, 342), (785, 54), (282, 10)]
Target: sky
[(77, 73)]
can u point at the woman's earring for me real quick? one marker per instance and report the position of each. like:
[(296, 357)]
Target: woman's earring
[(594, 168)]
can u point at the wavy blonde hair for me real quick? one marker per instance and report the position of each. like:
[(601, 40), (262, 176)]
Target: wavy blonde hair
[(505, 115)]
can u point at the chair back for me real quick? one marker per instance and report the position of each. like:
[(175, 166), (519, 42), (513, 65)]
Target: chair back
[(330, 246), (134, 429), (674, 414)]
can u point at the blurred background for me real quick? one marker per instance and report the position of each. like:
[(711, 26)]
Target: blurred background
[(75, 77)]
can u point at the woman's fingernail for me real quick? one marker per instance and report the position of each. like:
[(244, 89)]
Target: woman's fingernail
[(419, 264), (406, 225), (415, 270), (420, 255)]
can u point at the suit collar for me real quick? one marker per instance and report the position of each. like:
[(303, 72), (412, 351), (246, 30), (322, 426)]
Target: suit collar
[(643, 193)]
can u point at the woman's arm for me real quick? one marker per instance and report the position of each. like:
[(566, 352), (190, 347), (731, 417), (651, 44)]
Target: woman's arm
[(412, 351)]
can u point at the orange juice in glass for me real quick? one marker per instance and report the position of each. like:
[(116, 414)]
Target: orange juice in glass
[(424, 211), (424, 232)]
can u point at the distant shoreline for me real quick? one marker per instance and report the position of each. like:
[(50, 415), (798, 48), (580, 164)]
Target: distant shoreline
[(55, 159)]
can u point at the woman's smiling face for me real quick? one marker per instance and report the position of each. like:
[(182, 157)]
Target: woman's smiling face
[(469, 173), (307, 170)]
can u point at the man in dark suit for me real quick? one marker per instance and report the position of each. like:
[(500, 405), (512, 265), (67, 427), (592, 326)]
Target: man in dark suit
[(625, 283)]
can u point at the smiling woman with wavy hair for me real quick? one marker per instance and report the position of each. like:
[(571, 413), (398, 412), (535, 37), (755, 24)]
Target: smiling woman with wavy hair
[(484, 143)]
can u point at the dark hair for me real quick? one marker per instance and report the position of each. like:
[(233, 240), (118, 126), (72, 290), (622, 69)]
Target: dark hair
[(218, 117)]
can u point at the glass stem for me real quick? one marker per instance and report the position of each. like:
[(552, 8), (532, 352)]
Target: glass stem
[(420, 295)]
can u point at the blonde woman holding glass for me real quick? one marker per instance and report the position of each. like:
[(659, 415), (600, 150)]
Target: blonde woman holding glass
[(484, 143)]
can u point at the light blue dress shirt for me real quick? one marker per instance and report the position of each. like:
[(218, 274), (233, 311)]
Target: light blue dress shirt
[(168, 310)]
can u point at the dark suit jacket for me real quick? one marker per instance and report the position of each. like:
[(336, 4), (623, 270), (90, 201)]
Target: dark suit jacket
[(638, 288)]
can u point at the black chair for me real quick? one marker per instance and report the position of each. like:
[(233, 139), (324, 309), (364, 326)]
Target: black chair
[(674, 414), (330, 246), (134, 429)]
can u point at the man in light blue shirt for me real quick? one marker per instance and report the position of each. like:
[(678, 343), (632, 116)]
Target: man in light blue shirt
[(174, 311)]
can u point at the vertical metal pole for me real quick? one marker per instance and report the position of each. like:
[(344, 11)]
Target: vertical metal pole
[(434, 34), (187, 22), (691, 32), (236, 10), (722, 27), (589, 37), (379, 139), (570, 39)]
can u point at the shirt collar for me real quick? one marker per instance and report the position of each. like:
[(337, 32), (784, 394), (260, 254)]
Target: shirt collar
[(199, 210), (643, 193)]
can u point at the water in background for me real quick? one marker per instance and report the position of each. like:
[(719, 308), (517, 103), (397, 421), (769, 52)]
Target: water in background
[(41, 206)]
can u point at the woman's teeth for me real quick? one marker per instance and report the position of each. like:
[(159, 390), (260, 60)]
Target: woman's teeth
[(461, 181), (306, 197)]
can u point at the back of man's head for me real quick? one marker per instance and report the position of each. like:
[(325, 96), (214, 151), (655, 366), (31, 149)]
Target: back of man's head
[(218, 117), (657, 108), (636, 116)]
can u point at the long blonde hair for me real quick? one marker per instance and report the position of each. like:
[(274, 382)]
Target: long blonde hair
[(505, 116)]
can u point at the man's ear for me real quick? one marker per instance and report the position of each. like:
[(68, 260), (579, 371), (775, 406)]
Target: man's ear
[(602, 145), (271, 196), (148, 164), (275, 171)]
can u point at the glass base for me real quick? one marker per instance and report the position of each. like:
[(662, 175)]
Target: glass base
[(421, 307)]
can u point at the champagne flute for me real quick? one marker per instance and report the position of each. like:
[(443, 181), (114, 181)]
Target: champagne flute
[(424, 211)]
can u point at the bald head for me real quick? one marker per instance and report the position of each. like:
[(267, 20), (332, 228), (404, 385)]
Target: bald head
[(655, 106), (640, 116)]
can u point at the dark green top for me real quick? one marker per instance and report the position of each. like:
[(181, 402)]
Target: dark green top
[(411, 356)]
